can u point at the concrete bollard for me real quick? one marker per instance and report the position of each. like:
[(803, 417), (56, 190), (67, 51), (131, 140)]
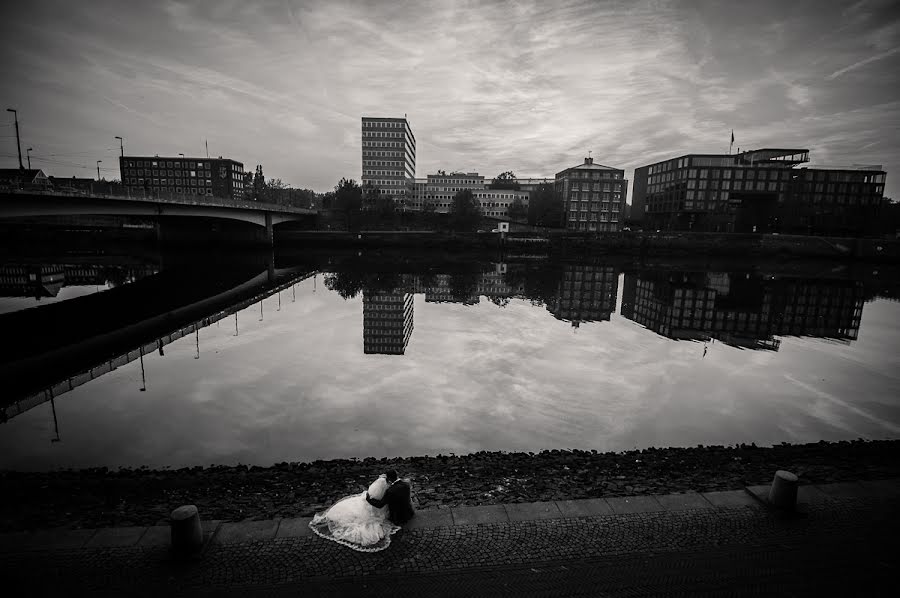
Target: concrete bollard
[(187, 533), (783, 493)]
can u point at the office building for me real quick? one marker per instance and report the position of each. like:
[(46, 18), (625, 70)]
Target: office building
[(593, 196), (441, 188), (758, 191), (389, 156), (162, 176), (387, 321)]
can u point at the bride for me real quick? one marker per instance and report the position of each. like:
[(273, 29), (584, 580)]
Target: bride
[(355, 523)]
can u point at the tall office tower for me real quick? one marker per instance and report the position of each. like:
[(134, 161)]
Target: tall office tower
[(387, 321), (389, 157)]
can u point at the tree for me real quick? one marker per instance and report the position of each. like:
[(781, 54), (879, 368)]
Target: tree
[(248, 186), (259, 183), (545, 207), (275, 191), (370, 196), (517, 210), (348, 199), (465, 211), (505, 180)]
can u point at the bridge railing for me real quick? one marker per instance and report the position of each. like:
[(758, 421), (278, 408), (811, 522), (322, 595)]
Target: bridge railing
[(155, 196)]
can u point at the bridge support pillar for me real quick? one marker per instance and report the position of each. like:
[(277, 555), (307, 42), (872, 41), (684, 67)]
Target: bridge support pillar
[(270, 232)]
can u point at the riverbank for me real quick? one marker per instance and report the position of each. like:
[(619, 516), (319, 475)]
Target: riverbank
[(568, 243), (113, 498)]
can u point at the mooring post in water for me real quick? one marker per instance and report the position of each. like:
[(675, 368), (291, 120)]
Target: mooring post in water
[(783, 493), (187, 532), (143, 377)]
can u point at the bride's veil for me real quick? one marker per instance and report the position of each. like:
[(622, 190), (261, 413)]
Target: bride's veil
[(378, 487)]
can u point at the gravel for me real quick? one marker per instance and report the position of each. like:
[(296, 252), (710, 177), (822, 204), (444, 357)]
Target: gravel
[(100, 497)]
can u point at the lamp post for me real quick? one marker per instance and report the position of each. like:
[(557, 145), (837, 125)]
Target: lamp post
[(98, 170), (121, 156), (18, 142), (28, 154)]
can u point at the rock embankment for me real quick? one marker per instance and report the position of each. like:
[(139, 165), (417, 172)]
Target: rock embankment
[(110, 498)]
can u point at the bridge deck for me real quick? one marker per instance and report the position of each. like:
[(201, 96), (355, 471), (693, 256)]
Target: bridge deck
[(168, 199)]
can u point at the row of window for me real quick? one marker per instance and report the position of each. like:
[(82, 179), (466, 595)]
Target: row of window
[(181, 190), (172, 173), (596, 187), (167, 182), (583, 216), (584, 174), (176, 164)]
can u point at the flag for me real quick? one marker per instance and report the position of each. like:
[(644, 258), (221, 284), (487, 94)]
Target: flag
[(732, 135)]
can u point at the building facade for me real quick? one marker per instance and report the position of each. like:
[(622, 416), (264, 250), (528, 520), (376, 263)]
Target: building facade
[(389, 157), (387, 322), (441, 188), (593, 197), (758, 191), (155, 175)]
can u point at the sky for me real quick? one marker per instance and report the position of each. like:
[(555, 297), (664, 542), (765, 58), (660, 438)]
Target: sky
[(527, 86)]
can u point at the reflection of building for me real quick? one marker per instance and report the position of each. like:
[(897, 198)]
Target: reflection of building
[(387, 322), (593, 196), (741, 310), (31, 281), (756, 191), (587, 293), (220, 177), (46, 280), (389, 156)]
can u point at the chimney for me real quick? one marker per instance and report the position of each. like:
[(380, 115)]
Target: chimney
[(588, 160)]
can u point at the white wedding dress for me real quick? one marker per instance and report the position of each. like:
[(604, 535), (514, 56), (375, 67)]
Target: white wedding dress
[(354, 523)]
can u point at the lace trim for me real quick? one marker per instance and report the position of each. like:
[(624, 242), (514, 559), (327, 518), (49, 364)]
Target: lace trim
[(383, 543)]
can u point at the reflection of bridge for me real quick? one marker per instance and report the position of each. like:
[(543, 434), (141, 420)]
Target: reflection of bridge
[(177, 323), (32, 203)]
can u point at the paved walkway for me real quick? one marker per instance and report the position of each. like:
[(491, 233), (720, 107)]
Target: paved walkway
[(718, 543)]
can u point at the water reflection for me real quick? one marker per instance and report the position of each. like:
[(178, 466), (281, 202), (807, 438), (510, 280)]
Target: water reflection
[(48, 282), (510, 354), (742, 309)]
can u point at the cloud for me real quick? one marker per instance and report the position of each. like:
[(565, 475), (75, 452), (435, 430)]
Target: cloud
[(863, 62), (488, 86)]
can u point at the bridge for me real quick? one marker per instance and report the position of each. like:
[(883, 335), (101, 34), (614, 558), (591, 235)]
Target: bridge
[(32, 203)]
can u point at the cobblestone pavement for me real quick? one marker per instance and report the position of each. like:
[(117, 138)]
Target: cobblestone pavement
[(840, 545)]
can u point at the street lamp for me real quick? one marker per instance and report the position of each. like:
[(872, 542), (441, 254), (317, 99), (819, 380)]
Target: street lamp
[(98, 170), (121, 145), (28, 153), (18, 142)]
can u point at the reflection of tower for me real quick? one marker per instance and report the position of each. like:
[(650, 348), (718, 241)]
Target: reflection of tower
[(587, 293), (387, 322)]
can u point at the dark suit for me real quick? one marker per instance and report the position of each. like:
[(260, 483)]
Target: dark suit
[(397, 498)]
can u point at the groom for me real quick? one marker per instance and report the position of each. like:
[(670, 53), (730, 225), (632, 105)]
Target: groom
[(397, 498)]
